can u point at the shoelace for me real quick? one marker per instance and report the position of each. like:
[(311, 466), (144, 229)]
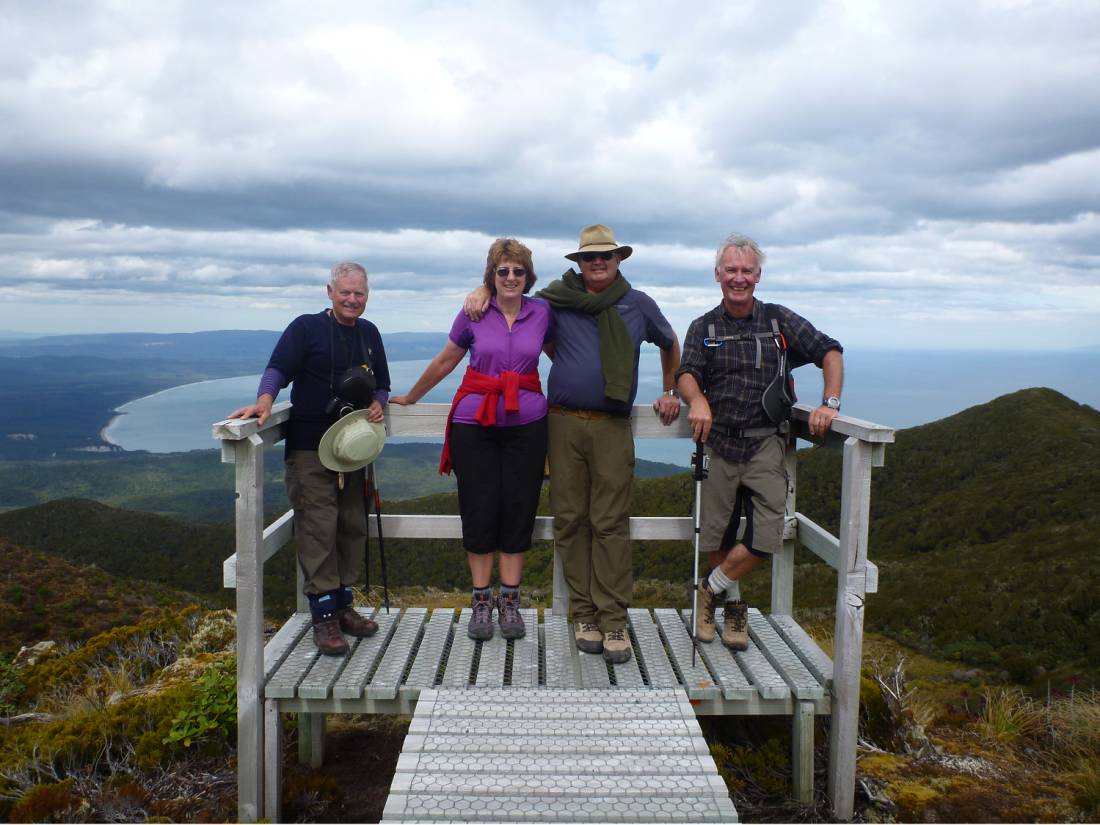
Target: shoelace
[(740, 620), (707, 613), (616, 635), (508, 608), (589, 627)]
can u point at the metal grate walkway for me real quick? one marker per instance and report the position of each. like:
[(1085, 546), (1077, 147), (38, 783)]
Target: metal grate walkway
[(556, 755)]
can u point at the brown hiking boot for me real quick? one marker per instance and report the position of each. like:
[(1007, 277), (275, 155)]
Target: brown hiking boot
[(327, 636), (735, 625), (511, 623), (588, 636), (704, 614), (355, 624), (480, 626), (616, 646)]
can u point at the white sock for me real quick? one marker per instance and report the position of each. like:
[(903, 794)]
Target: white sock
[(733, 592), (718, 582)]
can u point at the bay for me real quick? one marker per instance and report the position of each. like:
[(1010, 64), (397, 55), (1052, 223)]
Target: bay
[(898, 388)]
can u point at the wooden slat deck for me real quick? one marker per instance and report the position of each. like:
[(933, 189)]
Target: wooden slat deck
[(414, 652), (556, 755)]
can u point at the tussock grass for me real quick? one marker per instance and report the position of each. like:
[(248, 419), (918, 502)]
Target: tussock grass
[(1074, 724), (1009, 716)]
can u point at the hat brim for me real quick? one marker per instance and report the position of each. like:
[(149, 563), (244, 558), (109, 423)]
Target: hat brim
[(333, 462), (624, 251)]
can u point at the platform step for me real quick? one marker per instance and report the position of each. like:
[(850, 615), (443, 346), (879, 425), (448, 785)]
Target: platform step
[(549, 755)]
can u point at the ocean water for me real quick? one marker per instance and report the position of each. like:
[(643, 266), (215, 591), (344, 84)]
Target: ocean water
[(893, 387)]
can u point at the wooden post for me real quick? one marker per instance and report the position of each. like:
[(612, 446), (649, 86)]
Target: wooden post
[(249, 468), (855, 502), (783, 561), (560, 604), (273, 762), (802, 752), (311, 726)]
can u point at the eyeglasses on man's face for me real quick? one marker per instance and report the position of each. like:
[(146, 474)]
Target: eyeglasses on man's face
[(517, 271), (589, 257)]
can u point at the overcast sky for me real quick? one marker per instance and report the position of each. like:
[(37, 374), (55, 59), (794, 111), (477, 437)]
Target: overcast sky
[(919, 173)]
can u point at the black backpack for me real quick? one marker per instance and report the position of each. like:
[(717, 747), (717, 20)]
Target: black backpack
[(779, 396)]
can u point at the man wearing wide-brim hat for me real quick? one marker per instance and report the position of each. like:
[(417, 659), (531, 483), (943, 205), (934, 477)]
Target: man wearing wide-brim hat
[(601, 324)]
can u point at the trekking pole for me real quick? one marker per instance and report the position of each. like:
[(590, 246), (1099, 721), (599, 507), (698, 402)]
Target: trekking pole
[(367, 480), (381, 538), (699, 472)]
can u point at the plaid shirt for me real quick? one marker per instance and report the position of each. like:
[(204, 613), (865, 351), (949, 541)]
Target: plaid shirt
[(728, 375)]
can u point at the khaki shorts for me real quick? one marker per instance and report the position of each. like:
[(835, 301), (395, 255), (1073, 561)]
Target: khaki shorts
[(755, 489)]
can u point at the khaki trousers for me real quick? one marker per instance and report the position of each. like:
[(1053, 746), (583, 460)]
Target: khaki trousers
[(330, 525), (591, 471)]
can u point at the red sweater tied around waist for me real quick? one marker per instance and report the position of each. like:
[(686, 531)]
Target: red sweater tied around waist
[(508, 384)]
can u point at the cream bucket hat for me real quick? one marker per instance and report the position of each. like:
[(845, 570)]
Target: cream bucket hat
[(351, 443)]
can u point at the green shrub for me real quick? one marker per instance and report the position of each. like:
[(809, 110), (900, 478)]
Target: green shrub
[(11, 686), (213, 709)]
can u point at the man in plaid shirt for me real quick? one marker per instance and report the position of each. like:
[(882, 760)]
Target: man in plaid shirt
[(729, 375)]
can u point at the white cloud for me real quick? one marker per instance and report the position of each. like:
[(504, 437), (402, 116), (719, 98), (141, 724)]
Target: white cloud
[(897, 160)]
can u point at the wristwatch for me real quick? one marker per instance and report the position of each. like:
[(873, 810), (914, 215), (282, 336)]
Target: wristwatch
[(832, 402), (673, 393)]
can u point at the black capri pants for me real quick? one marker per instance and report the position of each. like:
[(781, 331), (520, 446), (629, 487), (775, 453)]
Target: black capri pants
[(499, 472)]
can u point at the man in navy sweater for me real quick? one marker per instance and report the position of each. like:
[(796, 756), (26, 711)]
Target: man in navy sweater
[(329, 517)]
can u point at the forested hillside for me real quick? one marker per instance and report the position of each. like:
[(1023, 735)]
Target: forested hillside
[(984, 528)]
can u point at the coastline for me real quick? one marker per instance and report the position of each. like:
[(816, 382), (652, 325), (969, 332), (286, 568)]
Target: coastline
[(105, 433)]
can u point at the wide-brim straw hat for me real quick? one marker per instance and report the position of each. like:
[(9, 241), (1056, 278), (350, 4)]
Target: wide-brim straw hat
[(599, 238), (351, 443)]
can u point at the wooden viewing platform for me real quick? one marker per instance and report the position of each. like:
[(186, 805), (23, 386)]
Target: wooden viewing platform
[(421, 653)]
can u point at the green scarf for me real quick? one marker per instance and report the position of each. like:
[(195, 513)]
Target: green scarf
[(616, 345)]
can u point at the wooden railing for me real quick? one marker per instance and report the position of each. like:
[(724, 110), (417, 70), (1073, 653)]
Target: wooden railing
[(863, 445)]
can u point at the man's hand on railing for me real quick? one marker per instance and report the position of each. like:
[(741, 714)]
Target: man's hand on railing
[(821, 419), (668, 408), (260, 410)]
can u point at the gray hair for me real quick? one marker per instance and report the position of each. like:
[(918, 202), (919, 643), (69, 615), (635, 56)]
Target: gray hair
[(743, 242), (347, 269)]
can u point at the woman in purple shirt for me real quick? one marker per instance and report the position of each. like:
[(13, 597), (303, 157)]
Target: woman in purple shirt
[(496, 432)]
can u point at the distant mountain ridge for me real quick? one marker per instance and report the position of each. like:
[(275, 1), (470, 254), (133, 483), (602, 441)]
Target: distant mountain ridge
[(197, 487), (213, 347)]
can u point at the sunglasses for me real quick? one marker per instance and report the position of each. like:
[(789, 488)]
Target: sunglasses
[(589, 257), (518, 271)]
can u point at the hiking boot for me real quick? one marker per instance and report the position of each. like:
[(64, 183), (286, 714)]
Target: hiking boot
[(511, 623), (588, 636), (327, 636), (354, 624), (735, 625), (480, 627), (704, 614), (616, 646)]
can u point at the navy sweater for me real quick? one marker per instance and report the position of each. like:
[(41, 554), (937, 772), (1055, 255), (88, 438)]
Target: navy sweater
[(313, 353)]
